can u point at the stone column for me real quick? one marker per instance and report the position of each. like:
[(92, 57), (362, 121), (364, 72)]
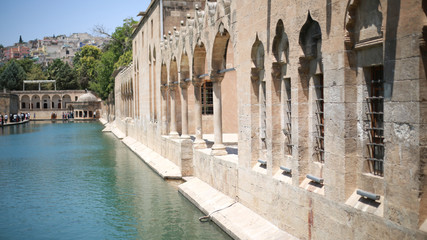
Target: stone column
[(218, 148), (184, 108), (164, 92), (199, 143), (172, 90)]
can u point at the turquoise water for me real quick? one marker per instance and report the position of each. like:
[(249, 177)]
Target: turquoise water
[(71, 181)]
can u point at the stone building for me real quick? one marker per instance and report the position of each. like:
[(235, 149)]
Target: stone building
[(9, 103), (87, 107), (41, 104), (312, 114)]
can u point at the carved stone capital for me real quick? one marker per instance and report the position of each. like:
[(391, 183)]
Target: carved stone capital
[(172, 86), (164, 87), (216, 77), (277, 70), (255, 74), (197, 82), (184, 84)]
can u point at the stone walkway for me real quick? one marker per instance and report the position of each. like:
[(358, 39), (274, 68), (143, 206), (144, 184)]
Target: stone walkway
[(235, 219), (14, 123), (165, 168)]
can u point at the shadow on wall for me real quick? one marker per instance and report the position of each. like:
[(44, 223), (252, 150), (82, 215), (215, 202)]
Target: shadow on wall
[(393, 14)]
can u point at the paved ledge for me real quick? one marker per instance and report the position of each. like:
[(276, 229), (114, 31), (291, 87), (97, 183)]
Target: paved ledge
[(119, 134), (237, 220), (107, 127), (165, 168), (103, 121), (14, 123)]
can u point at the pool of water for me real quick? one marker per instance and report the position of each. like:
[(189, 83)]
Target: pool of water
[(71, 181)]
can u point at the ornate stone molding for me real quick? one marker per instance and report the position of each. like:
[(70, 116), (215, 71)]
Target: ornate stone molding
[(197, 82), (183, 83), (211, 8), (216, 77), (255, 74), (277, 70)]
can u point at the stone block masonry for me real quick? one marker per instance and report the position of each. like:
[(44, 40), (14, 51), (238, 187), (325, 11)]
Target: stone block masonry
[(332, 91)]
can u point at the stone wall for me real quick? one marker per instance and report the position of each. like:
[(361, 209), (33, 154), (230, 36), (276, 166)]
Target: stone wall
[(296, 81), (9, 103)]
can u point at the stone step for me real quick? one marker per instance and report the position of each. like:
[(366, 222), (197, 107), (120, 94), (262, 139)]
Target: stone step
[(235, 219), (162, 166)]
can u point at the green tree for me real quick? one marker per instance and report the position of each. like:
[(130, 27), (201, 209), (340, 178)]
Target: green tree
[(103, 84), (35, 73), (118, 52), (1, 52), (12, 77), (20, 39), (53, 68), (85, 62), (66, 78), (26, 64), (64, 75), (124, 60), (120, 39)]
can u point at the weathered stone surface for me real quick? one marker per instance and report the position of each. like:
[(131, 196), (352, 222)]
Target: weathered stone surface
[(323, 57)]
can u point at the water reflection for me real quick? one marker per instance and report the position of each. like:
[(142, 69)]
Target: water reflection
[(69, 181)]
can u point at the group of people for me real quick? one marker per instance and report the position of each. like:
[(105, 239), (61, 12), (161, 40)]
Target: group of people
[(16, 117), (66, 116)]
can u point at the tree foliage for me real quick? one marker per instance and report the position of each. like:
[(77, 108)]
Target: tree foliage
[(64, 75), (12, 77), (124, 60), (118, 52), (104, 83), (121, 41), (66, 78), (26, 64), (84, 63)]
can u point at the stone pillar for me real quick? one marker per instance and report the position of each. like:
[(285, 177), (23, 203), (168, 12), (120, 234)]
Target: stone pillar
[(184, 108), (218, 148), (199, 143), (172, 90), (164, 92)]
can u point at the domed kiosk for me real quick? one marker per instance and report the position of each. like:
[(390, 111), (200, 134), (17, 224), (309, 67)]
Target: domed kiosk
[(87, 106)]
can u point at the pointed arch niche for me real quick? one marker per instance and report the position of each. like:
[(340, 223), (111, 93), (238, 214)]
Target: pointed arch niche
[(310, 109), (154, 85), (150, 84), (199, 79), (165, 97), (258, 104), (223, 74), (281, 101)]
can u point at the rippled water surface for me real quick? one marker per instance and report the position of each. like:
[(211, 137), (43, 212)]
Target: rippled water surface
[(71, 181)]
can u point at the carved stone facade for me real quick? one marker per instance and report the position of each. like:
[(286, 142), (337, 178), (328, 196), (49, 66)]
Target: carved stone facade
[(319, 108)]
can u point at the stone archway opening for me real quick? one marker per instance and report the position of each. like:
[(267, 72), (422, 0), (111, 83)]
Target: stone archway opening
[(223, 74), (311, 147), (258, 103)]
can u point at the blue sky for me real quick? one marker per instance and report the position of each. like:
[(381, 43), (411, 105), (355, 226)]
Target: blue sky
[(38, 18)]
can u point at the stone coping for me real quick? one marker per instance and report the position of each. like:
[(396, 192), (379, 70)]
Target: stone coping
[(14, 123), (162, 166), (235, 219)]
